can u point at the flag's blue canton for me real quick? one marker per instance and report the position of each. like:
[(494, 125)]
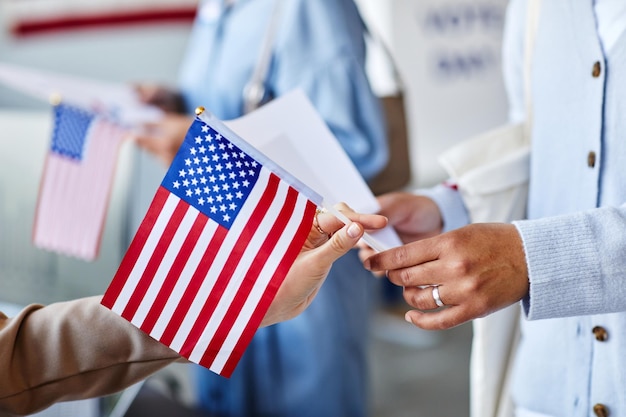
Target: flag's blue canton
[(212, 174), (70, 131)]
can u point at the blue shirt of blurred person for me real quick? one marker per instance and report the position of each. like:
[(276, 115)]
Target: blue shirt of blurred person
[(316, 364)]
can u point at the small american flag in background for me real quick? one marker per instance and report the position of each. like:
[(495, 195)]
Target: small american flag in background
[(76, 182), (222, 232)]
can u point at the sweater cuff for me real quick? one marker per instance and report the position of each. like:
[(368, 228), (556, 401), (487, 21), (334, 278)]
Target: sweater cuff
[(557, 256), (450, 205)]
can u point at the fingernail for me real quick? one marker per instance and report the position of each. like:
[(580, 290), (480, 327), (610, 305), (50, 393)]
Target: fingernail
[(354, 230), (407, 318)]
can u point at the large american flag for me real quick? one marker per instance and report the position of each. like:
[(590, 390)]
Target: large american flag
[(76, 182), (223, 230)]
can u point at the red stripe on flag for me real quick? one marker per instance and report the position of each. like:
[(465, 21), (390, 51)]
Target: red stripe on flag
[(268, 296), (155, 260), (135, 248), (250, 278), (174, 273), (194, 285), (231, 264)]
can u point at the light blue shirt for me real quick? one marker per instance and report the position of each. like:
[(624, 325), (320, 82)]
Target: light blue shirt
[(575, 237), (611, 19), (315, 364), (319, 48), (576, 240)]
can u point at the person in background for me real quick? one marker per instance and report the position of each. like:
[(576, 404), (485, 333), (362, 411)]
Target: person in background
[(80, 349), (316, 364), (566, 262)]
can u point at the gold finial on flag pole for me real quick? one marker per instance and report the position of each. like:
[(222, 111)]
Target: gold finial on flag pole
[(199, 110), (55, 99)]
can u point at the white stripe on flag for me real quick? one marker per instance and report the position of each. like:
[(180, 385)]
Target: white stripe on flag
[(144, 257), (55, 176), (165, 265), (230, 293), (220, 259), (102, 160), (259, 288), (183, 280)]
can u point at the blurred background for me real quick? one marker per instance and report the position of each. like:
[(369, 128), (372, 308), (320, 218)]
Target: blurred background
[(448, 55)]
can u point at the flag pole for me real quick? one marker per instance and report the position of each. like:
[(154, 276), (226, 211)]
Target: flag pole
[(369, 239)]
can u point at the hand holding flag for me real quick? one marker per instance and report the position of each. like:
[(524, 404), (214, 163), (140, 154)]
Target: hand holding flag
[(310, 269), (222, 233)]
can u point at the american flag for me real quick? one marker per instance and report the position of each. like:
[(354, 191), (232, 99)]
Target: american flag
[(76, 182), (223, 230)]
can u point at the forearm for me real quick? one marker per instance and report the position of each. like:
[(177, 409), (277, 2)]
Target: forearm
[(72, 350)]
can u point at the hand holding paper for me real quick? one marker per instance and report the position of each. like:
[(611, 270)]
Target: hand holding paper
[(309, 271), (413, 217)]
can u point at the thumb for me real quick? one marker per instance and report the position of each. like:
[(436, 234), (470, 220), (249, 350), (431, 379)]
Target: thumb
[(340, 243)]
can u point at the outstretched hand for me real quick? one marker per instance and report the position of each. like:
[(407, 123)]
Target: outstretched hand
[(413, 217), (478, 269), (312, 265)]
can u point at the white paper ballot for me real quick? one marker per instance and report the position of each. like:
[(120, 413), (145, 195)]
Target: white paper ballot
[(292, 133), (117, 98)]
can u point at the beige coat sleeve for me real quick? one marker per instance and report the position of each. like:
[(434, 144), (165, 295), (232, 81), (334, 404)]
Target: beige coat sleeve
[(71, 350)]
